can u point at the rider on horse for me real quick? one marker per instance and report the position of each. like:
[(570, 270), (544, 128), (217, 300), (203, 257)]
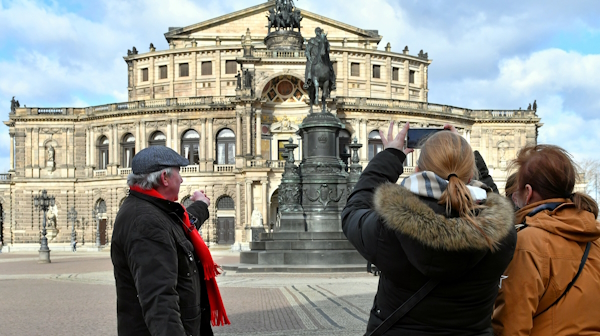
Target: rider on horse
[(312, 53)]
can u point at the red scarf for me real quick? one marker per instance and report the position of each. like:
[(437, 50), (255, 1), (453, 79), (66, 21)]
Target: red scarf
[(218, 316)]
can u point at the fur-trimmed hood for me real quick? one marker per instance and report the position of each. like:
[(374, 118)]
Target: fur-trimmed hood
[(405, 213)]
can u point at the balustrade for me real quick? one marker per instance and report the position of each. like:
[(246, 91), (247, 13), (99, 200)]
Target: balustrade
[(189, 169), (224, 168), (100, 173), (124, 171)]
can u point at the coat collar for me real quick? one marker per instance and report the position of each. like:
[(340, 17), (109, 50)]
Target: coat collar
[(405, 213), (166, 206)]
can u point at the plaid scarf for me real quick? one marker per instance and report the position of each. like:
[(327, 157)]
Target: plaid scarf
[(218, 316), (428, 184)]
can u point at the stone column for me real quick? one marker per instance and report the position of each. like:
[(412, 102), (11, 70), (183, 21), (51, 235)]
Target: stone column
[(238, 133), (35, 148), (93, 158), (248, 131), (151, 76), (87, 147), (115, 146), (345, 72), (68, 161), (169, 135), (172, 79), (364, 139), (238, 204), (12, 150), (210, 141), (175, 140), (388, 65), (422, 84), (258, 134), (218, 72), (194, 73), (248, 202), (143, 135), (406, 80), (369, 73), (202, 144), (265, 205), (137, 137)]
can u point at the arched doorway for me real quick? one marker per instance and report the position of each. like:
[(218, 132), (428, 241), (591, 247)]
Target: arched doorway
[(225, 220), (102, 218), (274, 211)]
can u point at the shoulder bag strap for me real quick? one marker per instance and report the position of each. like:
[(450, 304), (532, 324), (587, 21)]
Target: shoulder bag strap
[(405, 308), (583, 260)]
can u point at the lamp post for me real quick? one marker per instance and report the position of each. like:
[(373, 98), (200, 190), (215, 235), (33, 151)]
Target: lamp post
[(72, 216), (96, 216), (83, 223), (43, 202)]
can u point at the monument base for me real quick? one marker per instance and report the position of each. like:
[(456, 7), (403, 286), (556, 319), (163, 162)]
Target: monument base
[(284, 40)]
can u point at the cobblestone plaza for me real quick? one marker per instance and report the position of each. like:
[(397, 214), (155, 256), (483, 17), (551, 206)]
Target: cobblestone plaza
[(75, 295)]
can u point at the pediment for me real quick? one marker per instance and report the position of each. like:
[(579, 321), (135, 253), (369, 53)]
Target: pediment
[(229, 28)]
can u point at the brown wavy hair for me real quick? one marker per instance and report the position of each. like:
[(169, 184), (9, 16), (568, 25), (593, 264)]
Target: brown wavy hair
[(551, 172), (446, 154)]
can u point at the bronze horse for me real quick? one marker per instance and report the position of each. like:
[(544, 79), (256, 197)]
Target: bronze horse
[(320, 72)]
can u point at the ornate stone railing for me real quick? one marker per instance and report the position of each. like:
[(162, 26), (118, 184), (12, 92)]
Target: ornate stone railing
[(124, 171), (224, 168), (277, 164), (154, 103), (100, 173), (189, 169), (435, 108), (409, 170), (51, 110), (279, 54), (5, 177)]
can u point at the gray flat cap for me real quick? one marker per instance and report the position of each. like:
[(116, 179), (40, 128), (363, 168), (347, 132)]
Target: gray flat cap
[(155, 158)]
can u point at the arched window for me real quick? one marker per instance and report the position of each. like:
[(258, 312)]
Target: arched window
[(186, 201), (101, 206), (344, 142), (225, 203), (375, 144), (158, 139), (344, 150), (226, 147), (127, 150), (102, 152), (189, 146)]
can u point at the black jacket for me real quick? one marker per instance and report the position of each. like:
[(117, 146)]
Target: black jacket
[(160, 286), (411, 240)]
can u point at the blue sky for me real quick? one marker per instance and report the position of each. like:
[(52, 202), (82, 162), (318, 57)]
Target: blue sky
[(496, 55)]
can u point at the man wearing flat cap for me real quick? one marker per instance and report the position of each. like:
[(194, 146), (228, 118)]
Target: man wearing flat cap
[(164, 273)]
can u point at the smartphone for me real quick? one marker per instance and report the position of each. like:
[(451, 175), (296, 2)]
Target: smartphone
[(417, 136)]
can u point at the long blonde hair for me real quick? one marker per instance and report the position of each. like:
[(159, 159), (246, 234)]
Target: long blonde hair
[(450, 156)]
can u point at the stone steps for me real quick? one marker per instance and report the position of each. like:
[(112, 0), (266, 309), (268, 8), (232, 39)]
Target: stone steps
[(301, 245), (273, 236), (302, 257)]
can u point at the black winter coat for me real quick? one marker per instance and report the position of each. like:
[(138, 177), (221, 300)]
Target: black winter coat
[(160, 286), (411, 240)]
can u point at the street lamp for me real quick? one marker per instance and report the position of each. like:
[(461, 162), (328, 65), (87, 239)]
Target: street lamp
[(83, 224), (72, 216), (43, 202)]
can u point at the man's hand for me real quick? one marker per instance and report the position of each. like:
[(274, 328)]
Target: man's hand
[(395, 142), (199, 195)]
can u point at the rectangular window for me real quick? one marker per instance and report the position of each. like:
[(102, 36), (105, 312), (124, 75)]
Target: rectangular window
[(376, 71), (162, 70), (206, 69), (184, 70), (395, 73), (230, 67), (281, 149), (355, 69), (411, 77), (334, 65), (145, 75)]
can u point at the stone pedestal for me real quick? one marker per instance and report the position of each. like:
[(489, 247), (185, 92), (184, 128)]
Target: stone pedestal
[(311, 199), (284, 40)]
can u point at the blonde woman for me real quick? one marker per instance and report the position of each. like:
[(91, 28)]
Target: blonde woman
[(441, 239)]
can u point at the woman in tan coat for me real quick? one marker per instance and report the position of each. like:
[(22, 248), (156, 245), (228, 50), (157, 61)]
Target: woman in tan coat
[(556, 226)]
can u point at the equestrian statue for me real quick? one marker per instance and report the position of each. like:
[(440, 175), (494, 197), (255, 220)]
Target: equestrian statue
[(319, 69)]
